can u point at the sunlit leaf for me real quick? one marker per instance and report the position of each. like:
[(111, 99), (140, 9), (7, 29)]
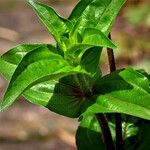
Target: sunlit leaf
[(40, 93), (10, 60), (78, 10), (37, 66), (91, 38), (55, 24), (98, 14)]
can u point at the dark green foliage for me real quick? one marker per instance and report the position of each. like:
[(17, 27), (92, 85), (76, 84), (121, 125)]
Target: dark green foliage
[(135, 133)]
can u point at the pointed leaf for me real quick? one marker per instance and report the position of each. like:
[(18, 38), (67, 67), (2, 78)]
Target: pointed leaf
[(78, 10), (106, 20), (97, 38), (91, 38), (10, 60), (125, 92), (40, 93), (55, 24), (37, 66), (98, 14)]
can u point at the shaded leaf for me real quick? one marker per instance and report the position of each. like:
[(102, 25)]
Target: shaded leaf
[(71, 95), (143, 138), (37, 66), (135, 133), (125, 92), (90, 60), (88, 136)]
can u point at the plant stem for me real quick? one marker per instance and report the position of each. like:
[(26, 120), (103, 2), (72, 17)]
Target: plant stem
[(119, 140), (105, 131), (111, 58)]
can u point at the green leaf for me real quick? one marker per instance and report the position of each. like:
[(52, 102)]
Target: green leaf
[(71, 95), (90, 60), (88, 136), (142, 71), (78, 10), (40, 93), (10, 60), (98, 14), (91, 38), (143, 138), (108, 16), (37, 66), (95, 37), (135, 133), (125, 92), (55, 24)]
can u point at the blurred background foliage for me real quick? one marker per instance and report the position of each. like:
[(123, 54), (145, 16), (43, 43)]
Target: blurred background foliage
[(24, 124)]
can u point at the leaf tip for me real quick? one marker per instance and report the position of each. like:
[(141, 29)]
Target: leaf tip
[(31, 2), (113, 46), (1, 108)]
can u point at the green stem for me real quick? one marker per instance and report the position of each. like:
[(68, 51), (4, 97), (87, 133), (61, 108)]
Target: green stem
[(119, 140)]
